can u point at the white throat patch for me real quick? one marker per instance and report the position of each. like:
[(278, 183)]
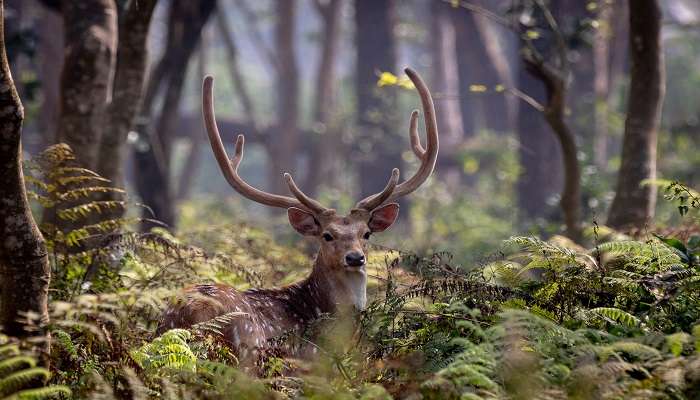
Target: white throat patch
[(357, 285)]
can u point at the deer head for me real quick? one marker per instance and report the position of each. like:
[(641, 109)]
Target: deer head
[(340, 263)]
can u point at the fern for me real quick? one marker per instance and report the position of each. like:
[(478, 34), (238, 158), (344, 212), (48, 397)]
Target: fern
[(169, 351), (49, 392), (615, 315)]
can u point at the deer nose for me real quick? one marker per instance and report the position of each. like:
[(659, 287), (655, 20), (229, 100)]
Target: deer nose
[(355, 259)]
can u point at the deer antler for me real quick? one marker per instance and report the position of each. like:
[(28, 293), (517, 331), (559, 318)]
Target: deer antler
[(229, 167), (427, 156)]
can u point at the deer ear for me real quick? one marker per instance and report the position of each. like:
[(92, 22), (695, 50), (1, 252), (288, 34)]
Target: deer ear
[(383, 217), (303, 221)]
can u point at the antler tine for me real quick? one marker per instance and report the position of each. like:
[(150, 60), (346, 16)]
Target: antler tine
[(376, 200), (418, 149), (428, 155), (230, 167), (310, 203)]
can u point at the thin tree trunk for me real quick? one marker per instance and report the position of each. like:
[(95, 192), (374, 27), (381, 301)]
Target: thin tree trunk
[(500, 110), (192, 160), (236, 76), (445, 80), (469, 53), (377, 143), (445, 83), (556, 85), (601, 85), (91, 39), (634, 202), (539, 154), (321, 159), (127, 91), (24, 263), (283, 147), (50, 53), (152, 161), (480, 109)]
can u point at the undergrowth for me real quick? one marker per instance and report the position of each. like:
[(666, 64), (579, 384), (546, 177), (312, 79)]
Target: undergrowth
[(542, 319)]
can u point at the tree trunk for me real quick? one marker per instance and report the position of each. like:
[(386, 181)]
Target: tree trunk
[(480, 109), (126, 94), (445, 84), (152, 159), (556, 85), (186, 179), (90, 42), (90, 39), (378, 142), (322, 157), (50, 53), (445, 80), (283, 147), (601, 85), (24, 263), (469, 53), (539, 154), (634, 202), (236, 76)]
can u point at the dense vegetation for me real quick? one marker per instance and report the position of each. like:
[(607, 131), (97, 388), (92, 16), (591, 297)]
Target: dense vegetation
[(536, 319), (535, 263)]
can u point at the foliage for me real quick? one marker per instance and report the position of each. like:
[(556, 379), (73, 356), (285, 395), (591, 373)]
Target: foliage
[(22, 378), (538, 319)]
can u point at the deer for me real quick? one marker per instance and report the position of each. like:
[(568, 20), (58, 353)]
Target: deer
[(338, 278)]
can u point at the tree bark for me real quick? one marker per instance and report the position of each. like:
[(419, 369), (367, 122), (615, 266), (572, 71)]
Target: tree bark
[(50, 52), (444, 79), (539, 154), (554, 113), (24, 263), (321, 159), (236, 75), (634, 202), (190, 168), (601, 85), (90, 39), (445, 84), (126, 96), (476, 67), (283, 146), (378, 144), (152, 160)]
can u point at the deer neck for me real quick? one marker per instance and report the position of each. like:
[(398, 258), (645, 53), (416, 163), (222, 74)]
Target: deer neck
[(335, 288)]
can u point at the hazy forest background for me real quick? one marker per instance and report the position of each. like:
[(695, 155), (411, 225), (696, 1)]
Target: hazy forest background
[(562, 202)]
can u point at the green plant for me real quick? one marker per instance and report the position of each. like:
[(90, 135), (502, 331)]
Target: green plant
[(21, 378)]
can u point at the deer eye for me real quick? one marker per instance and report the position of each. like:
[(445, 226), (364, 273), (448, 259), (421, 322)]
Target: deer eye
[(327, 237), (367, 235)]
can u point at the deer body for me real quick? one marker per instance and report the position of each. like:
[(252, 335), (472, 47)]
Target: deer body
[(266, 314), (338, 280)]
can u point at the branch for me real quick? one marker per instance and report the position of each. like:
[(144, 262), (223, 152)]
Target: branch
[(558, 35), (482, 11), (527, 99)]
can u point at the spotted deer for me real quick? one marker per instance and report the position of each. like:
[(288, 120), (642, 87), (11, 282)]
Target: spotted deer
[(338, 278)]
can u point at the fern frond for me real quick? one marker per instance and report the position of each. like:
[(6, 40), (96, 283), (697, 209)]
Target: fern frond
[(15, 363), (44, 393), (22, 379), (83, 210), (615, 315)]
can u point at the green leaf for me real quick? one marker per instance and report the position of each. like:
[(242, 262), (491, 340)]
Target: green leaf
[(616, 315), (677, 245)]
